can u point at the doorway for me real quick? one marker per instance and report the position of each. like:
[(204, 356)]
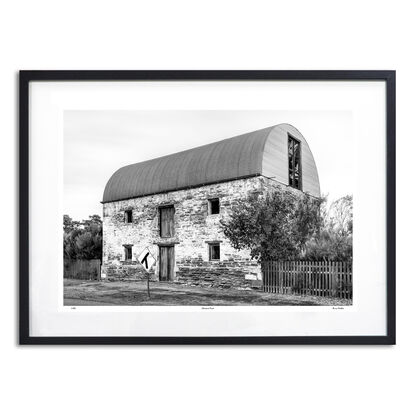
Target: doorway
[(166, 265)]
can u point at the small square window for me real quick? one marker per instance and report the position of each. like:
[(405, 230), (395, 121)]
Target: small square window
[(214, 206), (214, 252), (128, 252), (128, 216)]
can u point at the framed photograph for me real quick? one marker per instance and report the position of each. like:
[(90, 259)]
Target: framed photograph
[(207, 207)]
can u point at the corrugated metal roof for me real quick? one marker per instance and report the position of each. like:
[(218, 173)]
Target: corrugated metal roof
[(223, 160)]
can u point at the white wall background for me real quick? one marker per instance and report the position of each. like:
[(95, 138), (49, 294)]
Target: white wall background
[(206, 35)]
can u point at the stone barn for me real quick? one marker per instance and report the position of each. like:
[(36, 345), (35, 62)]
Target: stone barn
[(168, 209)]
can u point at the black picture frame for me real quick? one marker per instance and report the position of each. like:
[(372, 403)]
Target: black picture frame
[(27, 76)]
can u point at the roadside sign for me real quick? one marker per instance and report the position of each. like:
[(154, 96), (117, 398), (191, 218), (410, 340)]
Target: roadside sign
[(146, 259)]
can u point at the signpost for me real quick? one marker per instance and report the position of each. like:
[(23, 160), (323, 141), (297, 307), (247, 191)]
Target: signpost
[(147, 260)]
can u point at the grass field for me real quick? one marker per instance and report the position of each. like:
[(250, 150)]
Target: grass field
[(97, 293)]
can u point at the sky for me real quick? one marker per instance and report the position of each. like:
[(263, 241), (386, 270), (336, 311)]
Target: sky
[(97, 143)]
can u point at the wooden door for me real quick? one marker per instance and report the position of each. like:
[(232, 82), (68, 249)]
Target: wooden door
[(166, 265)]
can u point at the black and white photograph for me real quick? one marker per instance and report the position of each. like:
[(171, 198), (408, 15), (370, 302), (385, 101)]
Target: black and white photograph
[(208, 208), (204, 207)]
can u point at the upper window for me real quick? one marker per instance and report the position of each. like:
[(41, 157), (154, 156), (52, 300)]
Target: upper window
[(214, 206), (128, 216), (166, 221), (214, 251), (294, 162)]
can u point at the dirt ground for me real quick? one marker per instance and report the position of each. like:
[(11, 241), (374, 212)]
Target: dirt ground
[(97, 293)]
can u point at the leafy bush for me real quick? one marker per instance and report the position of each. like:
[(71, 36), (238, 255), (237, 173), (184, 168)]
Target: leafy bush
[(82, 240), (287, 225), (334, 241), (274, 226)]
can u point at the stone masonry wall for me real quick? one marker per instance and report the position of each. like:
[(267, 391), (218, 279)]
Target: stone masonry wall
[(194, 228)]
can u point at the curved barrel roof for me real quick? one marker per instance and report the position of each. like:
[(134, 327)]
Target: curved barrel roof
[(237, 157)]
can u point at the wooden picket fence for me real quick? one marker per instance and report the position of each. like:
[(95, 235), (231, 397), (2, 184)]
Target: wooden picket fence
[(82, 269), (324, 279)]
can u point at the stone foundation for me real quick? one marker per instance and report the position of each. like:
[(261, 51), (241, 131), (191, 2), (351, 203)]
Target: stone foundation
[(223, 274), (127, 271)]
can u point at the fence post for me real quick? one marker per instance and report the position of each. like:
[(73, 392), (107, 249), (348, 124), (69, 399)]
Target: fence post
[(278, 276), (336, 280), (330, 280), (326, 278), (274, 268)]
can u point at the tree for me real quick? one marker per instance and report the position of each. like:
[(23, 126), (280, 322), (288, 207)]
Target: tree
[(334, 242), (340, 215), (274, 226), (82, 240), (69, 224)]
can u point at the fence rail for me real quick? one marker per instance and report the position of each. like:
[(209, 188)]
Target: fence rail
[(82, 269), (324, 279)]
